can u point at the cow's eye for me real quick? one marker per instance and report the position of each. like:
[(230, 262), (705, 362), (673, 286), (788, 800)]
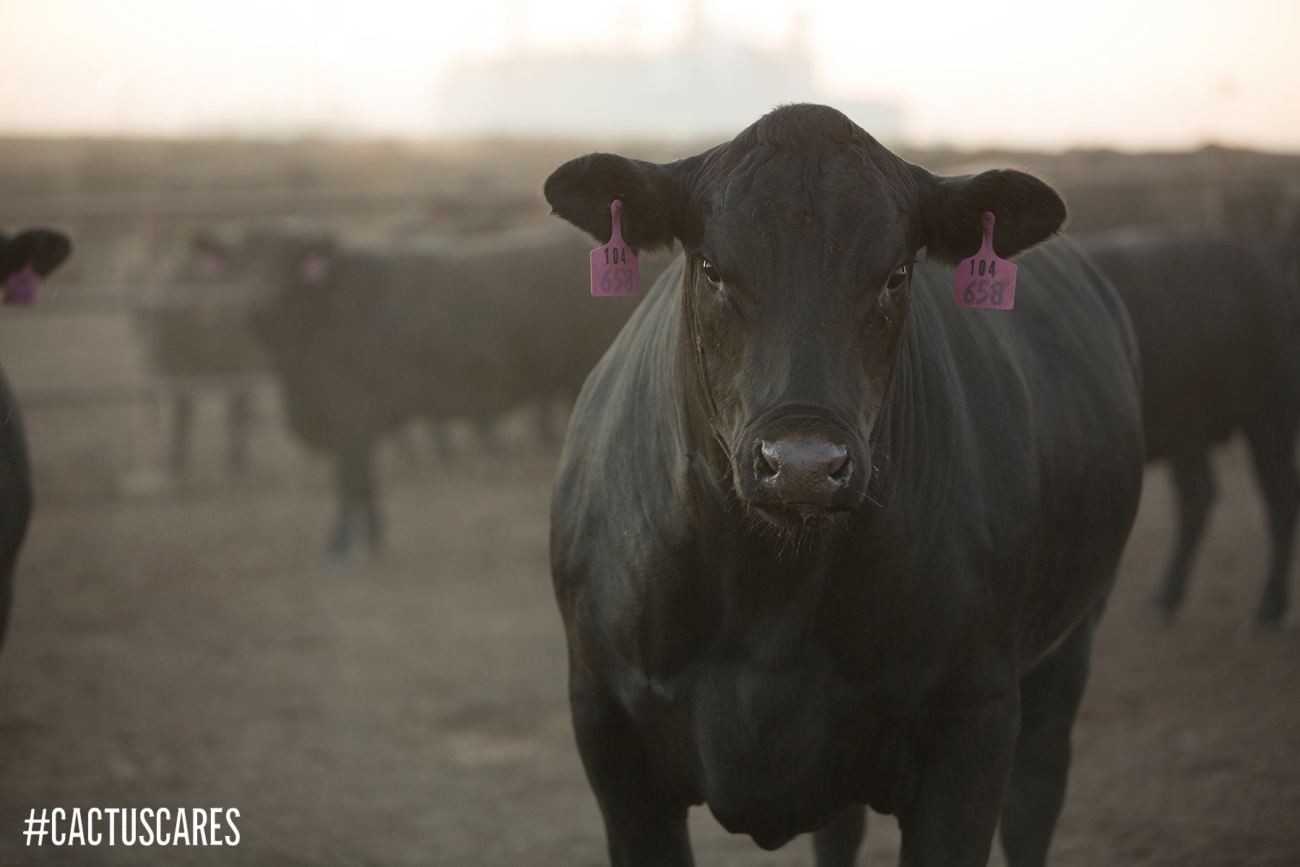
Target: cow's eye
[(900, 274), (710, 272)]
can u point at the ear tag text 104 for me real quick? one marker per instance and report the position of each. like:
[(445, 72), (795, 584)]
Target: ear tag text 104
[(21, 287), (985, 280), (614, 270)]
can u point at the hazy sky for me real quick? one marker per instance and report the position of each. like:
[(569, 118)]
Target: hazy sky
[(1128, 73)]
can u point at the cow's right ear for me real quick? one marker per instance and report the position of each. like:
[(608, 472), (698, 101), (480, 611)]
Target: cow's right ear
[(42, 249), (581, 191)]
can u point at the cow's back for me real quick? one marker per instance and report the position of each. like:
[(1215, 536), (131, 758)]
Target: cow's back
[(1216, 331), (471, 328), (537, 282)]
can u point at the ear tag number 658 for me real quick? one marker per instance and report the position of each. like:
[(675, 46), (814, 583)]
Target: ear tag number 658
[(985, 280)]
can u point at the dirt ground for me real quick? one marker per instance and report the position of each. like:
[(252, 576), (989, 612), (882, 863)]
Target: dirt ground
[(191, 649)]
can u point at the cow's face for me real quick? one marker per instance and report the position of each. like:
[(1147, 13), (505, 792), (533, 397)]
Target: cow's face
[(210, 259), (800, 237)]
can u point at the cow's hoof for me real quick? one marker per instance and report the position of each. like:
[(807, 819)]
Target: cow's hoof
[(1166, 612), (339, 559), (1274, 622)]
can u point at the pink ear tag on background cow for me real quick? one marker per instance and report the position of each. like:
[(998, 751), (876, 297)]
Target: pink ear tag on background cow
[(984, 280), (614, 271), (210, 265), (314, 269), (21, 287)]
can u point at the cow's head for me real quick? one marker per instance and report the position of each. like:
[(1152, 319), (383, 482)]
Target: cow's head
[(210, 258), (800, 235), (294, 271), (27, 259)]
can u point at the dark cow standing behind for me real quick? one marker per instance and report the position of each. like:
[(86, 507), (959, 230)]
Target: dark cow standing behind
[(42, 251), (364, 341), (1218, 326), (821, 539)]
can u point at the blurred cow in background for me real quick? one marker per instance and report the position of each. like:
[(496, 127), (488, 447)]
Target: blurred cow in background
[(25, 260), (198, 339), (364, 341), (1218, 325)]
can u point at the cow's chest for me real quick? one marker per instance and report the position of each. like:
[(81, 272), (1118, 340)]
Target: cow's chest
[(775, 748)]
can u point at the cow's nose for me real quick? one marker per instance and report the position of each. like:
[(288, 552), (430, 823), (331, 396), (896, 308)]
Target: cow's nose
[(802, 469)]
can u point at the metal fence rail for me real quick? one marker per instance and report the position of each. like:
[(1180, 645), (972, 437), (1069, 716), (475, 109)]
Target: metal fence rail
[(125, 393)]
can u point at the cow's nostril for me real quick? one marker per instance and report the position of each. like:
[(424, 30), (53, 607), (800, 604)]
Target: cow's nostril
[(766, 463), (841, 471)]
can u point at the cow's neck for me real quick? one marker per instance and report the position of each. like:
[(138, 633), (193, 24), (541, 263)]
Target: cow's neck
[(921, 443)]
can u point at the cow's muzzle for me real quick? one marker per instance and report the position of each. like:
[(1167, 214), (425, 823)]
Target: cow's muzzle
[(799, 468)]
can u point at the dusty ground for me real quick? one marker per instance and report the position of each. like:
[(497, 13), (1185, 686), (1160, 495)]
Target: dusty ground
[(191, 650)]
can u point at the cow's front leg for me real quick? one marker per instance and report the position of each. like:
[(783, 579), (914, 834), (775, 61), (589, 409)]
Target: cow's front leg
[(643, 824), (182, 435), (239, 409), (964, 760), (354, 483), (837, 844)]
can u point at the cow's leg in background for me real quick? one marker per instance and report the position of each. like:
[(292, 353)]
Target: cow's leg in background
[(239, 414), (358, 509), (486, 435), (1194, 488), (372, 521), (440, 437), (837, 844), (1049, 701), (340, 540), (964, 759), (642, 824), (1272, 448), (182, 434)]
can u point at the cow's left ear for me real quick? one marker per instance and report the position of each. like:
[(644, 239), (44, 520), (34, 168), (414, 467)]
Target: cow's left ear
[(42, 249), (1028, 212), (581, 191)]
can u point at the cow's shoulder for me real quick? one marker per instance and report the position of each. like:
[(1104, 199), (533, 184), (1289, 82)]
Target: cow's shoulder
[(618, 491)]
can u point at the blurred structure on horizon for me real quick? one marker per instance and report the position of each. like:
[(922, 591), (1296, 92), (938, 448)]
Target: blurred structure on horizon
[(710, 84)]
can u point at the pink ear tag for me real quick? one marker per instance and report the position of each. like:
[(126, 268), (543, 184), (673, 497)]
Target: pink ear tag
[(614, 271), (314, 269), (210, 265), (21, 287), (984, 280)]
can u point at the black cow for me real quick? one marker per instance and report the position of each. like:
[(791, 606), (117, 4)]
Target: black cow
[(364, 341), (820, 539), (198, 337), (1218, 326), (33, 253)]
